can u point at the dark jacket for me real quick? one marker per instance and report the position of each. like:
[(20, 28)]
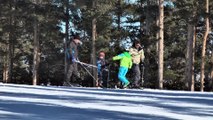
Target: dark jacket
[(73, 50), (101, 65)]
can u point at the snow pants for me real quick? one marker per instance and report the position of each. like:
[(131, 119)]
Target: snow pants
[(137, 74), (103, 77), (122, 75), (72, 71)]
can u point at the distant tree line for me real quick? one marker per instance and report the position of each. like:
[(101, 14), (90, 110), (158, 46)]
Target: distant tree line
[(176, 35)]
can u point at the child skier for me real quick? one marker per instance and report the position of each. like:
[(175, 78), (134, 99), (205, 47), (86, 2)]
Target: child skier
[(102, 70), (125, 64)]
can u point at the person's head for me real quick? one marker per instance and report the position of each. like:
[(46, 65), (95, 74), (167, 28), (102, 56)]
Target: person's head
[(101, 55), (76, 39), (136, 44)]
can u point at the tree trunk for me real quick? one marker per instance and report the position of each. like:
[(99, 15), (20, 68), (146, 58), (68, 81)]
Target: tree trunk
[(148, 17), (211, 73), (66, 39), (161, 44), (5, 70), (119, 15), (35, 55), (118, 21), (202, 72), (192, 82), (10, 58), (157, 34), (11, 43), (93, 55), (157, 42), (36, 52), (10, 62), (189, 75)]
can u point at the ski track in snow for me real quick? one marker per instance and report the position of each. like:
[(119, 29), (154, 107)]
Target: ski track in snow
[(25, 102)]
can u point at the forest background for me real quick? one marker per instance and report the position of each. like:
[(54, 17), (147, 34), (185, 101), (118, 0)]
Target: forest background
[(179, 53)]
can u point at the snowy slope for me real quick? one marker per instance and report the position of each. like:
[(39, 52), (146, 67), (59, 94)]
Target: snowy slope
[(23, 102)]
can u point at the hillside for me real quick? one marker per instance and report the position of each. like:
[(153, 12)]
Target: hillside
[(24, 102)]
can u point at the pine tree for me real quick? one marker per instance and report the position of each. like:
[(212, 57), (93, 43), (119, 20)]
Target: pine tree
[(93, 24), (36, 52), (161, 44), (8, 37), (21, 38), (204, 48), (191, 22)]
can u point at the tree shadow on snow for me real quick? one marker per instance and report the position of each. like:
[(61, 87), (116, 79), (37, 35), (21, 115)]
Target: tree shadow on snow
[(44, 110), (38, 111)]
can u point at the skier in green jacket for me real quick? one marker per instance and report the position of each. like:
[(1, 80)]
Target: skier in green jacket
[(125, 64)]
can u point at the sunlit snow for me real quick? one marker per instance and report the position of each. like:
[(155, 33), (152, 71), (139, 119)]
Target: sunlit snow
[(24, 102)]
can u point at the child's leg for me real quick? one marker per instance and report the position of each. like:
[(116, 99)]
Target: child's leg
[(122, 75), (127, 81)]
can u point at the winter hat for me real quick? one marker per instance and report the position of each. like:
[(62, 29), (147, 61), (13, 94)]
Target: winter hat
[(76, 36)]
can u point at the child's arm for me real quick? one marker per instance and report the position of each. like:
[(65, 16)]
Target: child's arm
[(142, 55), (99, 66), (118, 57), (130, 64)]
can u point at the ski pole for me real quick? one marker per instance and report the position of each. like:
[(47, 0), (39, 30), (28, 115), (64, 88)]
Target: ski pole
[(142, 76), (89, 65), (81, 63)]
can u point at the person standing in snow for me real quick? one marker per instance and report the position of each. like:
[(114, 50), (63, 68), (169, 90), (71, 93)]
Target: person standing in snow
[(125, 64), (73, 58), (102, 70), (138, 57)]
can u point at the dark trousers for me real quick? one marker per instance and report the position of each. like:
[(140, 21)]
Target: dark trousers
[(136, 74), (103, 78), (72, 71)]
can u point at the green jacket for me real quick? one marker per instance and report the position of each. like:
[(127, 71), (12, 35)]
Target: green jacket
[(125, 59)]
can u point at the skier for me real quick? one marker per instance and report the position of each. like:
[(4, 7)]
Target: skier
[(125, 64), (102, 70), (138, 57), (73, 58)]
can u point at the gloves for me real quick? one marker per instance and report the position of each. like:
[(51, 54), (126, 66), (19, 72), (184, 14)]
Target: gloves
[(142, 63), (110, 61), (74, 60), (104, 66)]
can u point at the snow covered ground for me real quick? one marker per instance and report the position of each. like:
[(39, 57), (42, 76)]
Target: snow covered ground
[(23, 102)]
